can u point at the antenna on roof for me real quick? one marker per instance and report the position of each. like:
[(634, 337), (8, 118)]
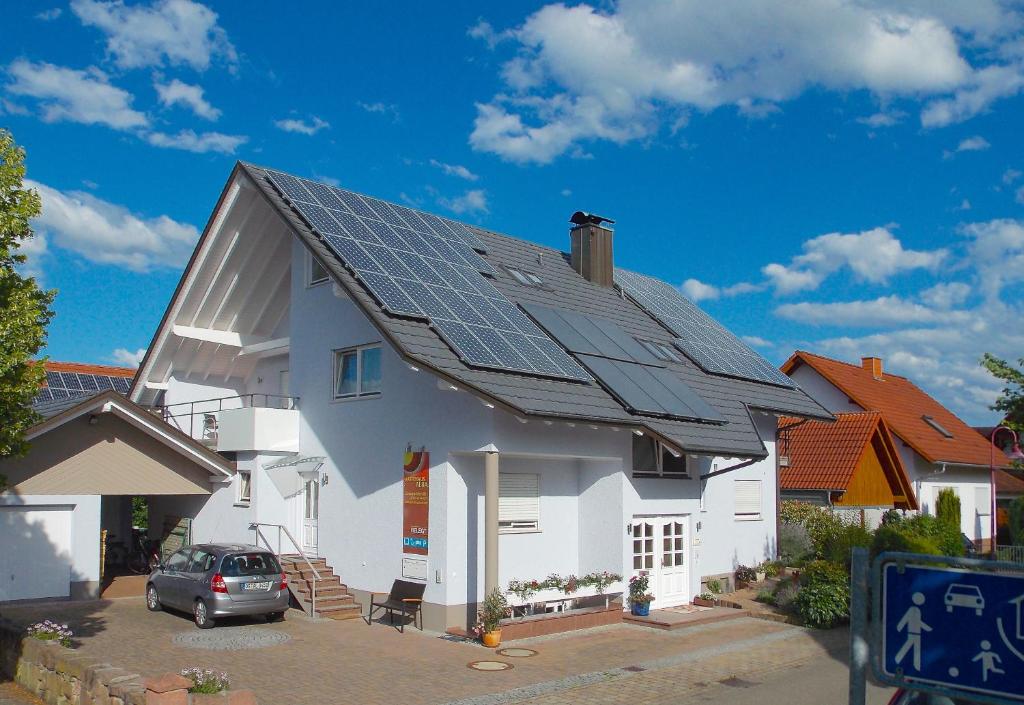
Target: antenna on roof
[(583, 218)]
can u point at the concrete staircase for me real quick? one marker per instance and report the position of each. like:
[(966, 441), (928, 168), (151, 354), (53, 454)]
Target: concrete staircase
[(333, 600)]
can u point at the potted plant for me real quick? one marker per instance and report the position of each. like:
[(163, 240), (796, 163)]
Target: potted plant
[(492, 611), (744, 576), (639, 599)]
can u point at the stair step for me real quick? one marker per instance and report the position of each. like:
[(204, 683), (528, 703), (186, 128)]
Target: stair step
[(339, 601), (307, 574), (353, 611), (322, 590)]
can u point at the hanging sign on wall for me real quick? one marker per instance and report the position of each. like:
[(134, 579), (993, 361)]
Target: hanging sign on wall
[(415, 502)]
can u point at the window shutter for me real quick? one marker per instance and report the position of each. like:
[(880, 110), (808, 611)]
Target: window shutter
[(519, 500), (748, 498)]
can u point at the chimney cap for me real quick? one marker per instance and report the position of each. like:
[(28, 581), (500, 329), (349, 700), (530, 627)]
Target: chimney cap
[(584, 218)]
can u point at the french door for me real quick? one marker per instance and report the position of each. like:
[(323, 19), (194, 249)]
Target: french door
[(661, 549)]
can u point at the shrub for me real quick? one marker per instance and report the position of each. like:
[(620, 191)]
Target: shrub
[(824, 597), (1015, 521), (894, 538), (794, 511), (947, 508), (771, 568), (795, 545), (205, 680), (838, 548), (494, 609), (746, 573), (766, 596), (51, 631), (918, 534), (714, 585), (785, 595)]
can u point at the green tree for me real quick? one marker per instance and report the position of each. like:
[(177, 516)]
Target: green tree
[(25, 309), (1016, 522), (1011, 399), (947, 508)]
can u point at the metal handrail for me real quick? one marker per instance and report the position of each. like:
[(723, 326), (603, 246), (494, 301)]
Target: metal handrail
[(281, 527), (208, 406)]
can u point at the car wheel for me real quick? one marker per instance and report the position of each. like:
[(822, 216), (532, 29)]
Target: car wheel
[(201, 615), (275, 617), (152, 599)]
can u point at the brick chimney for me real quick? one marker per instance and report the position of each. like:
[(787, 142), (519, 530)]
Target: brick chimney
[(872, 365), (592, 247)]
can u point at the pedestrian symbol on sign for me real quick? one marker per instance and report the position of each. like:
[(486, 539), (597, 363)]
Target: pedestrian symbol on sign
[(914, 625)]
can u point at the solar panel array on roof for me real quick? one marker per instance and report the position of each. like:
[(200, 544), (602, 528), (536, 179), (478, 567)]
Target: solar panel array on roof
[(627, 369), (700, 337), (64, 385), (423, 266)]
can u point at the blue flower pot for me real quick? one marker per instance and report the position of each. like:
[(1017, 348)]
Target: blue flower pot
[(640, 609)]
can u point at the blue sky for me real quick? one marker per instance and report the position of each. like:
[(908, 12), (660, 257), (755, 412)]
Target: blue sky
[(842, 177)]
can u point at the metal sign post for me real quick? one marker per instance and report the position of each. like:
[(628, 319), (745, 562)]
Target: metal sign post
[(859, 652), (951, 626)]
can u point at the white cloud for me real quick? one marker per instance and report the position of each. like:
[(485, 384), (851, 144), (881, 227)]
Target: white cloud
[(106, 233), (965, 205), (472, 201), (175, 32), (127, 358), (388, 109), (34, 250), (885, 311), (454, 170), (946, 294), (178, 93), (76, 96), (483, 31), (970, 144), (1019, 195), (696, 290), (758, 341), (655, 60), (50, 15), (883, 118), (201, 143), (566, 192), (996, 254), (872, 255), (1010, 175), (303, 127)]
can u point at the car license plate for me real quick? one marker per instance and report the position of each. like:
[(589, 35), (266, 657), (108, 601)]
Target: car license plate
[(251, 587)]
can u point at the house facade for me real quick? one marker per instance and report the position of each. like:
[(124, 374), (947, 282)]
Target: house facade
[(536, 413), (937, 449)]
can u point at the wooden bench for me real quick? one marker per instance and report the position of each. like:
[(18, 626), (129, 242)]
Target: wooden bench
[(405, 597)]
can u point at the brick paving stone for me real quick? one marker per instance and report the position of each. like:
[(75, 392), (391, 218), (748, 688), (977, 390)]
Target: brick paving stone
[(12, 694), (350, 662)]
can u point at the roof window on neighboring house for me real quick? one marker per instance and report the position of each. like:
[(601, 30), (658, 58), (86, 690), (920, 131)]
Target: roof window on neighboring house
[(524, 277), (937, 426), (659, 350)]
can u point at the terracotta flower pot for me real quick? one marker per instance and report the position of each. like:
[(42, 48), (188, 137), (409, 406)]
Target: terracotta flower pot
[(491, 639)]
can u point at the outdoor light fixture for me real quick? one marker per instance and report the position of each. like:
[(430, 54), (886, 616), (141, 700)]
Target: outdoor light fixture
[(1014, 454), (638, 432)]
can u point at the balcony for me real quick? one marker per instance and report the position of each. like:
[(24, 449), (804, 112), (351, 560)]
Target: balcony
[(249, 422)]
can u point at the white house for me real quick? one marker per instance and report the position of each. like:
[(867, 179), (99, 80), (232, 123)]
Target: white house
[(576, 417), (937, 449)]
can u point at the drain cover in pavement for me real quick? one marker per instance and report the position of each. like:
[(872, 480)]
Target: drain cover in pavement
[(516, 652), (231, 638), (489, 665)]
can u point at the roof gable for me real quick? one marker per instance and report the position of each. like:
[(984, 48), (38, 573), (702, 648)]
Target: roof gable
[(906, 409)]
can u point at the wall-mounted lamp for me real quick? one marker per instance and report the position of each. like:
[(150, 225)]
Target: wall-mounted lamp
[(629, 529)]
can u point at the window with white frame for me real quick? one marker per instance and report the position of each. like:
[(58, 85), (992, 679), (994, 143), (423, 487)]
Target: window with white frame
[(244, 487), (651, 458), (357, 372), (518, 502), (316, 272), (983, 501), (747, 499)]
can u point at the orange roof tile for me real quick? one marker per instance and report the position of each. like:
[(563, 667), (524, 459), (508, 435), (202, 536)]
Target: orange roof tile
[(1009, 482), (86, 369), (904, 406), (824, 455)]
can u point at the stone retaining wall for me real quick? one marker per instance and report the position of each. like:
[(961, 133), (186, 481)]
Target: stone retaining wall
[(63, 676)]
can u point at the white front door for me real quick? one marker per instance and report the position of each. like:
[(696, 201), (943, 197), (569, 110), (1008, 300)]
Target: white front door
[(661, 549), (310, 518)]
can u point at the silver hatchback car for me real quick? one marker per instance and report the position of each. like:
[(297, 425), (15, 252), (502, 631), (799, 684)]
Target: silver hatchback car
[(219, 580)]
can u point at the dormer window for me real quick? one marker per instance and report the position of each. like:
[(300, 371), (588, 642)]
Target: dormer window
[(524, 277), (652, 458), (659, 350), (931, 421)]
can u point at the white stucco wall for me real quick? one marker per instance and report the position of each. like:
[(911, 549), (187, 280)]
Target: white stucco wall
[(85, 529), (823, 391)]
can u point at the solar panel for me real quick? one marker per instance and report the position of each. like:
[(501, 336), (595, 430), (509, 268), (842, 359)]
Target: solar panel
[(623, 366), (64, 385), (423, 266), (700, 337)]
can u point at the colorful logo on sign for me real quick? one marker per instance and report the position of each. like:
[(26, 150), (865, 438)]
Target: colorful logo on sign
[(416, 502)]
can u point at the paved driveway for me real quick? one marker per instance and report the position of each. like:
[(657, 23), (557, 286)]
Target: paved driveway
[(350, 662)]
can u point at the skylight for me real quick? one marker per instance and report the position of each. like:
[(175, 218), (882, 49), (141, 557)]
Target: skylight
[(524, 277), (937, 426)]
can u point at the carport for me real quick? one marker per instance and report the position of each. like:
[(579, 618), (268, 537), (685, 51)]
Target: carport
[(88, 457)]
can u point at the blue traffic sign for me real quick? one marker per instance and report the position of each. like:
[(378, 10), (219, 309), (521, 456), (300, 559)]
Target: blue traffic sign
[(954, 629)]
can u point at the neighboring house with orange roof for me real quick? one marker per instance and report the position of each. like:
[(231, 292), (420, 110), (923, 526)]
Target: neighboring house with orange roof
[(937, 448), (850, 464), (67, 380)]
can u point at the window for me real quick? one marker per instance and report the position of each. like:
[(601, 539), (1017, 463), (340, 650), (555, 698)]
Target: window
[(937, 426), (201, 561), (357, 372), (660, 350), (243, 565), (652, 458), (316, 271), (524, 277), (178, 559), (983, 501), (747, 499), (244, 486), (518, 503)]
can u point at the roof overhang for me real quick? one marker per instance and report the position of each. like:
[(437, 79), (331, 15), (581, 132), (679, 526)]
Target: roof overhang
[(111, 402)]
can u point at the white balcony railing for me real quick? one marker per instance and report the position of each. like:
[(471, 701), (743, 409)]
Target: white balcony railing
[(261, 422)]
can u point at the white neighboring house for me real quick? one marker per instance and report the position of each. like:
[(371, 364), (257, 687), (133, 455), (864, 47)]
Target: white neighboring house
[(292, 347), (938, 449)]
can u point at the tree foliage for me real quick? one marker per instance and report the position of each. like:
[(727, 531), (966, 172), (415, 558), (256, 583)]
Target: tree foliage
[(1011, 399), (1016, 522), (25, 309)]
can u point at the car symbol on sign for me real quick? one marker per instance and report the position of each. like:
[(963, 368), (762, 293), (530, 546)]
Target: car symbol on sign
[(969, 596)]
